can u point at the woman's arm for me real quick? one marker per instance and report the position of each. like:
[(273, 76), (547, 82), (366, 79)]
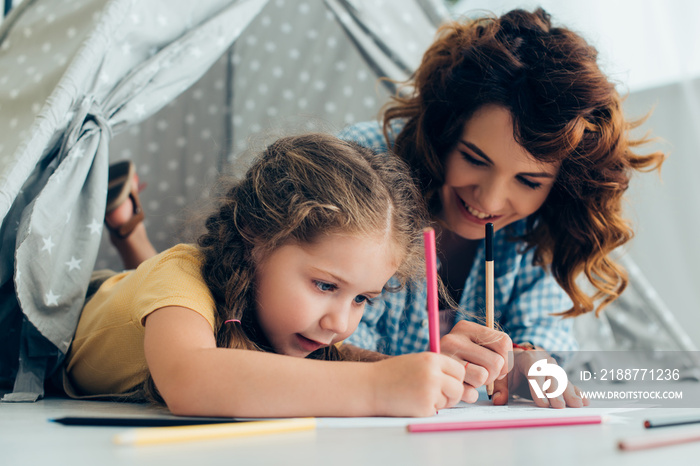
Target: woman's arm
[(196, 378)]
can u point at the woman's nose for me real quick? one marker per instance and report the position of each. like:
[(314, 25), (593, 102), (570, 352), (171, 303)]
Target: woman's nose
[(492, 195)]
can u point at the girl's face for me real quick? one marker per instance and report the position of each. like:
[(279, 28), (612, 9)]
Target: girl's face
[(489, 177), (313, 295)]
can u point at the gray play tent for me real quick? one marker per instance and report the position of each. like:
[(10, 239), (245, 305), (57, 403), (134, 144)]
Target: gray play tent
[(183, 88)]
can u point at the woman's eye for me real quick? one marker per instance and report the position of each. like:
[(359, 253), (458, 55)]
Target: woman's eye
[(472, 160), (323, 286), (529, 184)]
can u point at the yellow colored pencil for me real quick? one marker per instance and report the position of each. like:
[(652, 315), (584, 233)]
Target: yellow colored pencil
[(154, 435)]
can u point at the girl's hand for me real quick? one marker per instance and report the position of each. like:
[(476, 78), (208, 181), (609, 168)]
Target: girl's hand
[(517, 383), (485, 350), (416, 384)]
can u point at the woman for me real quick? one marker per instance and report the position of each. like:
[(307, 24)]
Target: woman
[(509, 120)]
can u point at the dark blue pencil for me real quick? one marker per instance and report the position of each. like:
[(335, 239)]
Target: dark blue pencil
[(140, 421), (671, 421)]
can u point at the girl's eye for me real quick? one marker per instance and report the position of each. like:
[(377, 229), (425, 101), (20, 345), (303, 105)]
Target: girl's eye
[(323, 286), (528, 183), (472, 160), (360, 299)]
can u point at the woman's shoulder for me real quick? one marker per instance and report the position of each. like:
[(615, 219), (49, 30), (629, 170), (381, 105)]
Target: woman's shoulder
[(370, 134), (508, 242), (514, 230), (367, 133)]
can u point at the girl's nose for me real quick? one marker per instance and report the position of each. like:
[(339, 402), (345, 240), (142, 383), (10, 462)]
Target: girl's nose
[(336, 319)]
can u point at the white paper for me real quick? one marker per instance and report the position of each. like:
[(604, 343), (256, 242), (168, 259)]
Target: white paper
[(482, 410)]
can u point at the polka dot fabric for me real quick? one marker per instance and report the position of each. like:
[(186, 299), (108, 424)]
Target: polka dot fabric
[(293, 69), (33, 58)]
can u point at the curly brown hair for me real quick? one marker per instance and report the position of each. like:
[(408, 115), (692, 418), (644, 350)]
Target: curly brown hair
[(297, 190), (564, 109)]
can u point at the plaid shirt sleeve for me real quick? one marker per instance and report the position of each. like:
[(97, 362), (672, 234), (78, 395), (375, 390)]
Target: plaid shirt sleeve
[(368, 334), (367, 134), (527, 317), (395, 323)]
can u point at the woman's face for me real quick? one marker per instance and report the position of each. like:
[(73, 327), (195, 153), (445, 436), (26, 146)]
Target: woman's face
[(490, 178)]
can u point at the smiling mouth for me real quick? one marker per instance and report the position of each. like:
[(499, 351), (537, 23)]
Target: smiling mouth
[(476, 213)]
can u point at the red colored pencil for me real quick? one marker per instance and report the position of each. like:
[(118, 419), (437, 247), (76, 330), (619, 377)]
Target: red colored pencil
[(504, 424), (431, 275)]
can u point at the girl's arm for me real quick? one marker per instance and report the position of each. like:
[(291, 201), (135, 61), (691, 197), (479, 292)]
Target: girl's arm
[(196, 378), (353, 353)]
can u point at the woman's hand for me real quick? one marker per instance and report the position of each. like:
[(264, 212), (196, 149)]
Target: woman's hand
[(416, 384), (485, 350), (517, 383)]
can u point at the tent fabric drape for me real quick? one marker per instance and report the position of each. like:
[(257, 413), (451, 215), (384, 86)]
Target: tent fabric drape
[(57, 221)]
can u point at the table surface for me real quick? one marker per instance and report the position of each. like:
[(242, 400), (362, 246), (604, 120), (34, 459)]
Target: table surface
[(27, 437)]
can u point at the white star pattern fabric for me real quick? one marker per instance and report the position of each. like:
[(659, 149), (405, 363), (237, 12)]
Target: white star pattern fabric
[(119, 61)]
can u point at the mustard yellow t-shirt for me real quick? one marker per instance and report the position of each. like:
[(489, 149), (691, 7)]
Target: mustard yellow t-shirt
[(107, 357)]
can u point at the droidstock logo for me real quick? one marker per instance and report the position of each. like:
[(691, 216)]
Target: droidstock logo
[(542, 368)]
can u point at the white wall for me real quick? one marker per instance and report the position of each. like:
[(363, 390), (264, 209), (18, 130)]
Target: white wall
[(641, 43), (666, 209)]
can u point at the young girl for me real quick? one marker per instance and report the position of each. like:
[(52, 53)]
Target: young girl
[(249, 321), (509, 120)]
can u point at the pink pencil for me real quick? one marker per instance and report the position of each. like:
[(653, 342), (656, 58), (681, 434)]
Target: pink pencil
[(431, 275), (505, 424), (643, 442)]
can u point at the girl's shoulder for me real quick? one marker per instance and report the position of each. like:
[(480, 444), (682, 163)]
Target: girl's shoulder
[(174, 278), (183, 250), (181, 257)]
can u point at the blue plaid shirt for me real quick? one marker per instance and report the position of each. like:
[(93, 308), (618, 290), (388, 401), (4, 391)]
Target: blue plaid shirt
[(525, 295)]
